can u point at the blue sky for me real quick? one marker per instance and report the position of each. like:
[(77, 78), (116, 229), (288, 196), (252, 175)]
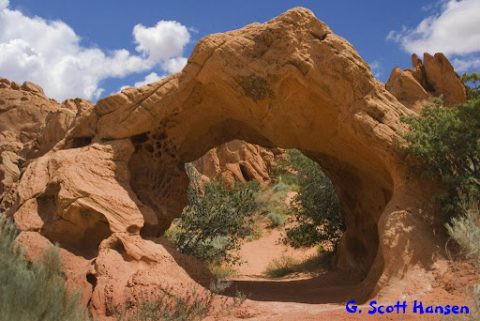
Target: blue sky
[(108, 44)]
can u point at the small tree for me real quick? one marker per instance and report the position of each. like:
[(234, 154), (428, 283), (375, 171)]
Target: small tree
[(212, 223), (445, 143), (316, 205)]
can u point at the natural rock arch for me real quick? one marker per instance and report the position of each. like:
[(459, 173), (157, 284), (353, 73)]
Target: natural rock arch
[(288, 83)]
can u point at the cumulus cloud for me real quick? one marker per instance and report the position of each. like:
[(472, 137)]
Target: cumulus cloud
[(163, 41), (174, 64), (50, 53), (454, 30)]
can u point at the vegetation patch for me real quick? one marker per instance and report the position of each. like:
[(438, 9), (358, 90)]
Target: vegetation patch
[(212, 224), (33, 291), (163, 307), (316, 206)]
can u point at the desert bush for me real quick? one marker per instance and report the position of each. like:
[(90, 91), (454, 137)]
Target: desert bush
[(281, 267), (164, 307), (173, 231), (275, 219), (212, 223), (222, 271), (316, 206), (253, 230), (465, 230), (472, 81), (445, 145), (285, 265), (33, 291)]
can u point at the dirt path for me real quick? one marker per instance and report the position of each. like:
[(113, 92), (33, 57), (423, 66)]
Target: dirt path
[(257, 254), (312, 288)]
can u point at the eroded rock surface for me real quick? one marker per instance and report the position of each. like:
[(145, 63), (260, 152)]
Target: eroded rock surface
[(434, 77), (30, 125), (238, 161), (116, 181)]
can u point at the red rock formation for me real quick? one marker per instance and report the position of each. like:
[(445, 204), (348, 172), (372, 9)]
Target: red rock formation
[(433, 78), (237, 160), (30, 125), (117, 179)]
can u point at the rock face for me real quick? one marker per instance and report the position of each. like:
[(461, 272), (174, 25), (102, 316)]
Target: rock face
[(117, 179), (432, 78), (30, 125), (237, 161)]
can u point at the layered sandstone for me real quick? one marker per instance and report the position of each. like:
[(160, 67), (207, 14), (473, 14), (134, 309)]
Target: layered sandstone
[(117, 180)]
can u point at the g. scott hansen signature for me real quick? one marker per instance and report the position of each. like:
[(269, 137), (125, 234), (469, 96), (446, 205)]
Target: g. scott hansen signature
[(402, 307)]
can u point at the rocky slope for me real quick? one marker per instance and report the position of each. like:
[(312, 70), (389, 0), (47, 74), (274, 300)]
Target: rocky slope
[(105, 181)]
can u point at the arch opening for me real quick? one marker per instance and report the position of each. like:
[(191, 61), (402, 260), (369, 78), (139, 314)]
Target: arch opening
[(362, 200)]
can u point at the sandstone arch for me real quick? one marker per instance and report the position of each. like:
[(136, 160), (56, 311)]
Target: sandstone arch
[(288, 83)]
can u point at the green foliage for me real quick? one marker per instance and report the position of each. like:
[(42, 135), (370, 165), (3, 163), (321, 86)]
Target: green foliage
[(286, 265), (465, 230), (281, 267), (172, 233), (276, 219), (222, 270), (472, 79), (254, 230), (33, 291), (163, 307), (213, 221), (316, 205), (445, 143)]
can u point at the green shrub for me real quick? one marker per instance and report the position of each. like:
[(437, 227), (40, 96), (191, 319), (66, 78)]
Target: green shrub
[(445, 143), (472, 79), (465, 230), (316, 205), (222, 271), (281, 267), (213, 221), (285, 265), (275, 219), (172, 233), (163, 307), (33, 291), (254, 230)]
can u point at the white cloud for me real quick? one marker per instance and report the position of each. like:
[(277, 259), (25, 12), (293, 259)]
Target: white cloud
[(454, 30), (50, 54), (151, 77), (174, 64), (466, 64), (163, 41)]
